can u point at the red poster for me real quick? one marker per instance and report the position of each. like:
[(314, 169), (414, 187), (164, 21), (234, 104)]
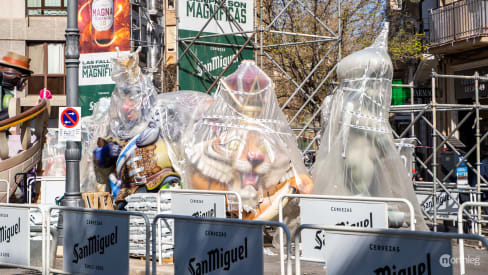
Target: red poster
[(104, 25)]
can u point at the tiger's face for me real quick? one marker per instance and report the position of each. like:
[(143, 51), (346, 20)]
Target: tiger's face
[(244, 161)]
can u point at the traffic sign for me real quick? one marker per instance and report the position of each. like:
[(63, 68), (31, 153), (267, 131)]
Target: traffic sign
[(70, 117), (69, 124)]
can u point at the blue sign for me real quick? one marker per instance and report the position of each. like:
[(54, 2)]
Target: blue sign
[(462, 173), (70, 118)]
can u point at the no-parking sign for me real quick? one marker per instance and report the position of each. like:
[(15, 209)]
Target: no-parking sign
[(69, 124)]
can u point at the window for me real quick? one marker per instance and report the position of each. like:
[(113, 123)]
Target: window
[(47, 7), (47, 62)]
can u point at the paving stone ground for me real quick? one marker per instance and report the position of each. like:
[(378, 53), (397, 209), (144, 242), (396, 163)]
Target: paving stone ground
[(477, 265)]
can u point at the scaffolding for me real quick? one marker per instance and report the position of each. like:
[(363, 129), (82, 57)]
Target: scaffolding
[(441, 137), (147, 30), (275, 30)]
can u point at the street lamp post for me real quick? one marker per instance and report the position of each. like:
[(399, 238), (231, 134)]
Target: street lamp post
[(72, 195)]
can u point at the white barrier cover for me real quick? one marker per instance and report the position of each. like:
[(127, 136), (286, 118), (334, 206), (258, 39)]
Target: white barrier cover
[(14, 236), (378, 255), (96, 244), (50, 190), (209, 248), (445, 204), (198, 205), (335, 212)]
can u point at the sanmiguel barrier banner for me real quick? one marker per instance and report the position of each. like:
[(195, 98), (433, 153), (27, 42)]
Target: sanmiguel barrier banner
[(104, 25), (193, 15), (209, 248), (198, 205), (446, 205), (340, 213), (95, 243), (381, 255), (14, 236)]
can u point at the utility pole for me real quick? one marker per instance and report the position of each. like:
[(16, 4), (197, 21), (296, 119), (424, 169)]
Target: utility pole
[(72, 195)]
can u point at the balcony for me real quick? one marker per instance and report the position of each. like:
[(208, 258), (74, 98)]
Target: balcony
[(459, 27)]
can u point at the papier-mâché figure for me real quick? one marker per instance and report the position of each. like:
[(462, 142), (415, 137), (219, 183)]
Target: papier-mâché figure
[(243, 143), (134, 149), (357, 154)]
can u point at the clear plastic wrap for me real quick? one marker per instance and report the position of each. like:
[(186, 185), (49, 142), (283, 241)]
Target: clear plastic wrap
[(243, 143), (132, 99), (174, 112), (324, 119), (126, 145), (357, 155), (406, 148), (92, 127), (53, 163)]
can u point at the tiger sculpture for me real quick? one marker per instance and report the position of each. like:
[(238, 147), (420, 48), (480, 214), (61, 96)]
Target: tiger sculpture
[(243, 143)]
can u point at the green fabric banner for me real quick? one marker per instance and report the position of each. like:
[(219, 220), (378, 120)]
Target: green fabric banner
[(213, 58), (89, 95)]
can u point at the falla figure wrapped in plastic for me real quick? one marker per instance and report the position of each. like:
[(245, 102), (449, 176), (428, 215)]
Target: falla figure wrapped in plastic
[(243, 143), (357, 154), (133, 154)]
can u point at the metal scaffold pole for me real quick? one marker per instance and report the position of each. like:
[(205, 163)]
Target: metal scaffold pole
[(478, 151), (434, 148)]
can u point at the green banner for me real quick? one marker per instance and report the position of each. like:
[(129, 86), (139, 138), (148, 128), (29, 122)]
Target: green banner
[(213, 58), (89, 95)]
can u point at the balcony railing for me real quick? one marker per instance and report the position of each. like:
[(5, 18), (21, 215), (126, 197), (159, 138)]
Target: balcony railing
[(458, 21)]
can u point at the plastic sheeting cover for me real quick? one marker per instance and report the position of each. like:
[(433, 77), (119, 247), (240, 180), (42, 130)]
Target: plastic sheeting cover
[(357, 155), (243, 143)]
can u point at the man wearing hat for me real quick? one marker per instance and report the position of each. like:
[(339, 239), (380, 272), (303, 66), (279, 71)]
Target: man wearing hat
[(14, 71)]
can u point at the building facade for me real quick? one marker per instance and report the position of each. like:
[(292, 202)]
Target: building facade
[(458, 37), (36, 29)]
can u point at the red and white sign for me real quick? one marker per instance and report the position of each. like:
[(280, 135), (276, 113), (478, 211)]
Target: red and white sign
[(69, 124)]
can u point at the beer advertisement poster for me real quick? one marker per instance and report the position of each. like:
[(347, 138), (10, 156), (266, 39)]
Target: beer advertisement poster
[(14, 236), (198, 68), (216, 248), (96, 243), (104, 25), (385, 255), (336, 213)]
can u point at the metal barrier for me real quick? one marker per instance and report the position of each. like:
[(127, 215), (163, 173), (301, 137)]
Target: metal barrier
[(43, 241), (48, 268), (342, 198), (460, 230), (239, 200), (8, 189), (221, 221), (32, 180), (382, 232), (187, 191)]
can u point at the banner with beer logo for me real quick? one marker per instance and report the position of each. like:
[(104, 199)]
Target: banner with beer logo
[(235, 16), (96, 243), (104, 25)]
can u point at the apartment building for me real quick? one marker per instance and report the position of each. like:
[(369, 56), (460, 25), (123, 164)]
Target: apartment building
[(458, 37), (36, 28)]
